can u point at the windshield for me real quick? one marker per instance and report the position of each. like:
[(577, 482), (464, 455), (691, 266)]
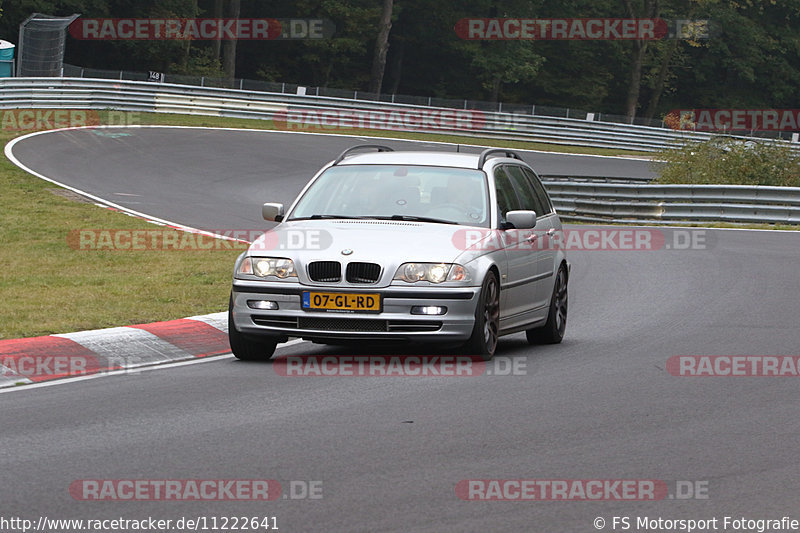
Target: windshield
[(437, 194)]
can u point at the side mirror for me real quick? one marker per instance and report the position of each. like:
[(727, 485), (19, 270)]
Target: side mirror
[(272, 212), (522, 219)]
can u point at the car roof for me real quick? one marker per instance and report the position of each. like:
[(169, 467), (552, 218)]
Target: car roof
[(428, 158)]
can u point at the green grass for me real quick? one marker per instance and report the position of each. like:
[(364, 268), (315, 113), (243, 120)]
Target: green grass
[(49, 287), (724, 161)]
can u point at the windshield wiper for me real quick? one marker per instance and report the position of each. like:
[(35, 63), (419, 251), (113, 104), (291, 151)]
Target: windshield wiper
[(415, 218), (409, 218), (319, 217)]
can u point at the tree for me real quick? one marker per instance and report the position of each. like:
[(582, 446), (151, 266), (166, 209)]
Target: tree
[(498, 63), (344, 59), (381, 47), (218, 13), (501, 63), (649, 9), (229, 47)]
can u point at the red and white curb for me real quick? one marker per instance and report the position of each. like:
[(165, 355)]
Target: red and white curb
[(38, 359)]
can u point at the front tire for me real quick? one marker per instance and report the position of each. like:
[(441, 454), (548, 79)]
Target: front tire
[(248, 348), (483, 341), (553, 330)]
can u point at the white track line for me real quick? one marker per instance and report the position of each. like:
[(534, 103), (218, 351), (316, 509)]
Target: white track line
[(132, 369)]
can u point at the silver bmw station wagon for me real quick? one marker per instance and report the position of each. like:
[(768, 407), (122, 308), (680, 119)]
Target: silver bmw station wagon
[(396, 246)]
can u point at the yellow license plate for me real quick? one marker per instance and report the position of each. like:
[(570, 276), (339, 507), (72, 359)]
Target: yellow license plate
[(337, 301)]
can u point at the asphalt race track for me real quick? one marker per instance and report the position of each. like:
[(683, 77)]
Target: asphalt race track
[(216, 179), (390, 451)]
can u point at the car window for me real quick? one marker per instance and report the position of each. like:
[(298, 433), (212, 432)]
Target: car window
[(544, 198), (506, 197), (522, 185), (455, 195)]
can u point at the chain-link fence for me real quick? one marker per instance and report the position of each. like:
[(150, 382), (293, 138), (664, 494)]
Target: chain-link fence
[(292, 88), (42, 39)]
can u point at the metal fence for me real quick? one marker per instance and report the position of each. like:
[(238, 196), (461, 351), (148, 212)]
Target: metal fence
[(429, 101), (595, 201), (365, 96)]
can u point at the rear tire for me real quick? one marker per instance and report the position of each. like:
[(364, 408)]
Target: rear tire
[(245, 347), (553, 330), (483, 341)]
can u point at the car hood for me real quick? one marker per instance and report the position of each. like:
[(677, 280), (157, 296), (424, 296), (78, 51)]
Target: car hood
[(388, 243)]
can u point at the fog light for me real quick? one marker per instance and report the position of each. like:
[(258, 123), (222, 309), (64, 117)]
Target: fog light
[(428, 310), (262, 304)]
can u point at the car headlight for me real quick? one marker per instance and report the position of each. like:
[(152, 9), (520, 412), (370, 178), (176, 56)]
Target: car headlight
[(263, 267), (432, 272)]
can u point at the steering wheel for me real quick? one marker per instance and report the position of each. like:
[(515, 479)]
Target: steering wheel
[(449, 208)]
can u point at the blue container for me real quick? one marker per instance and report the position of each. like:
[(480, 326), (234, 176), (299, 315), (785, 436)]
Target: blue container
[(6, 58)]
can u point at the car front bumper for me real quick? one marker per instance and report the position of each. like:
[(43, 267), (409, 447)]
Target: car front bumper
[(394, 323)]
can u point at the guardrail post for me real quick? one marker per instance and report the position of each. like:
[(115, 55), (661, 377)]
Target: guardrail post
[(202, 81)]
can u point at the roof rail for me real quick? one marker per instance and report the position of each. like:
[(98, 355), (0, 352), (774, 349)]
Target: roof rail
[(378, 147), (489, 151)]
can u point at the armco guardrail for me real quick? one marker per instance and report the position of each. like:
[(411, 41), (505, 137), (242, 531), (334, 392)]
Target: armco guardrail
[(333, 113), (650, 203), (593, 179), (575, 197)]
